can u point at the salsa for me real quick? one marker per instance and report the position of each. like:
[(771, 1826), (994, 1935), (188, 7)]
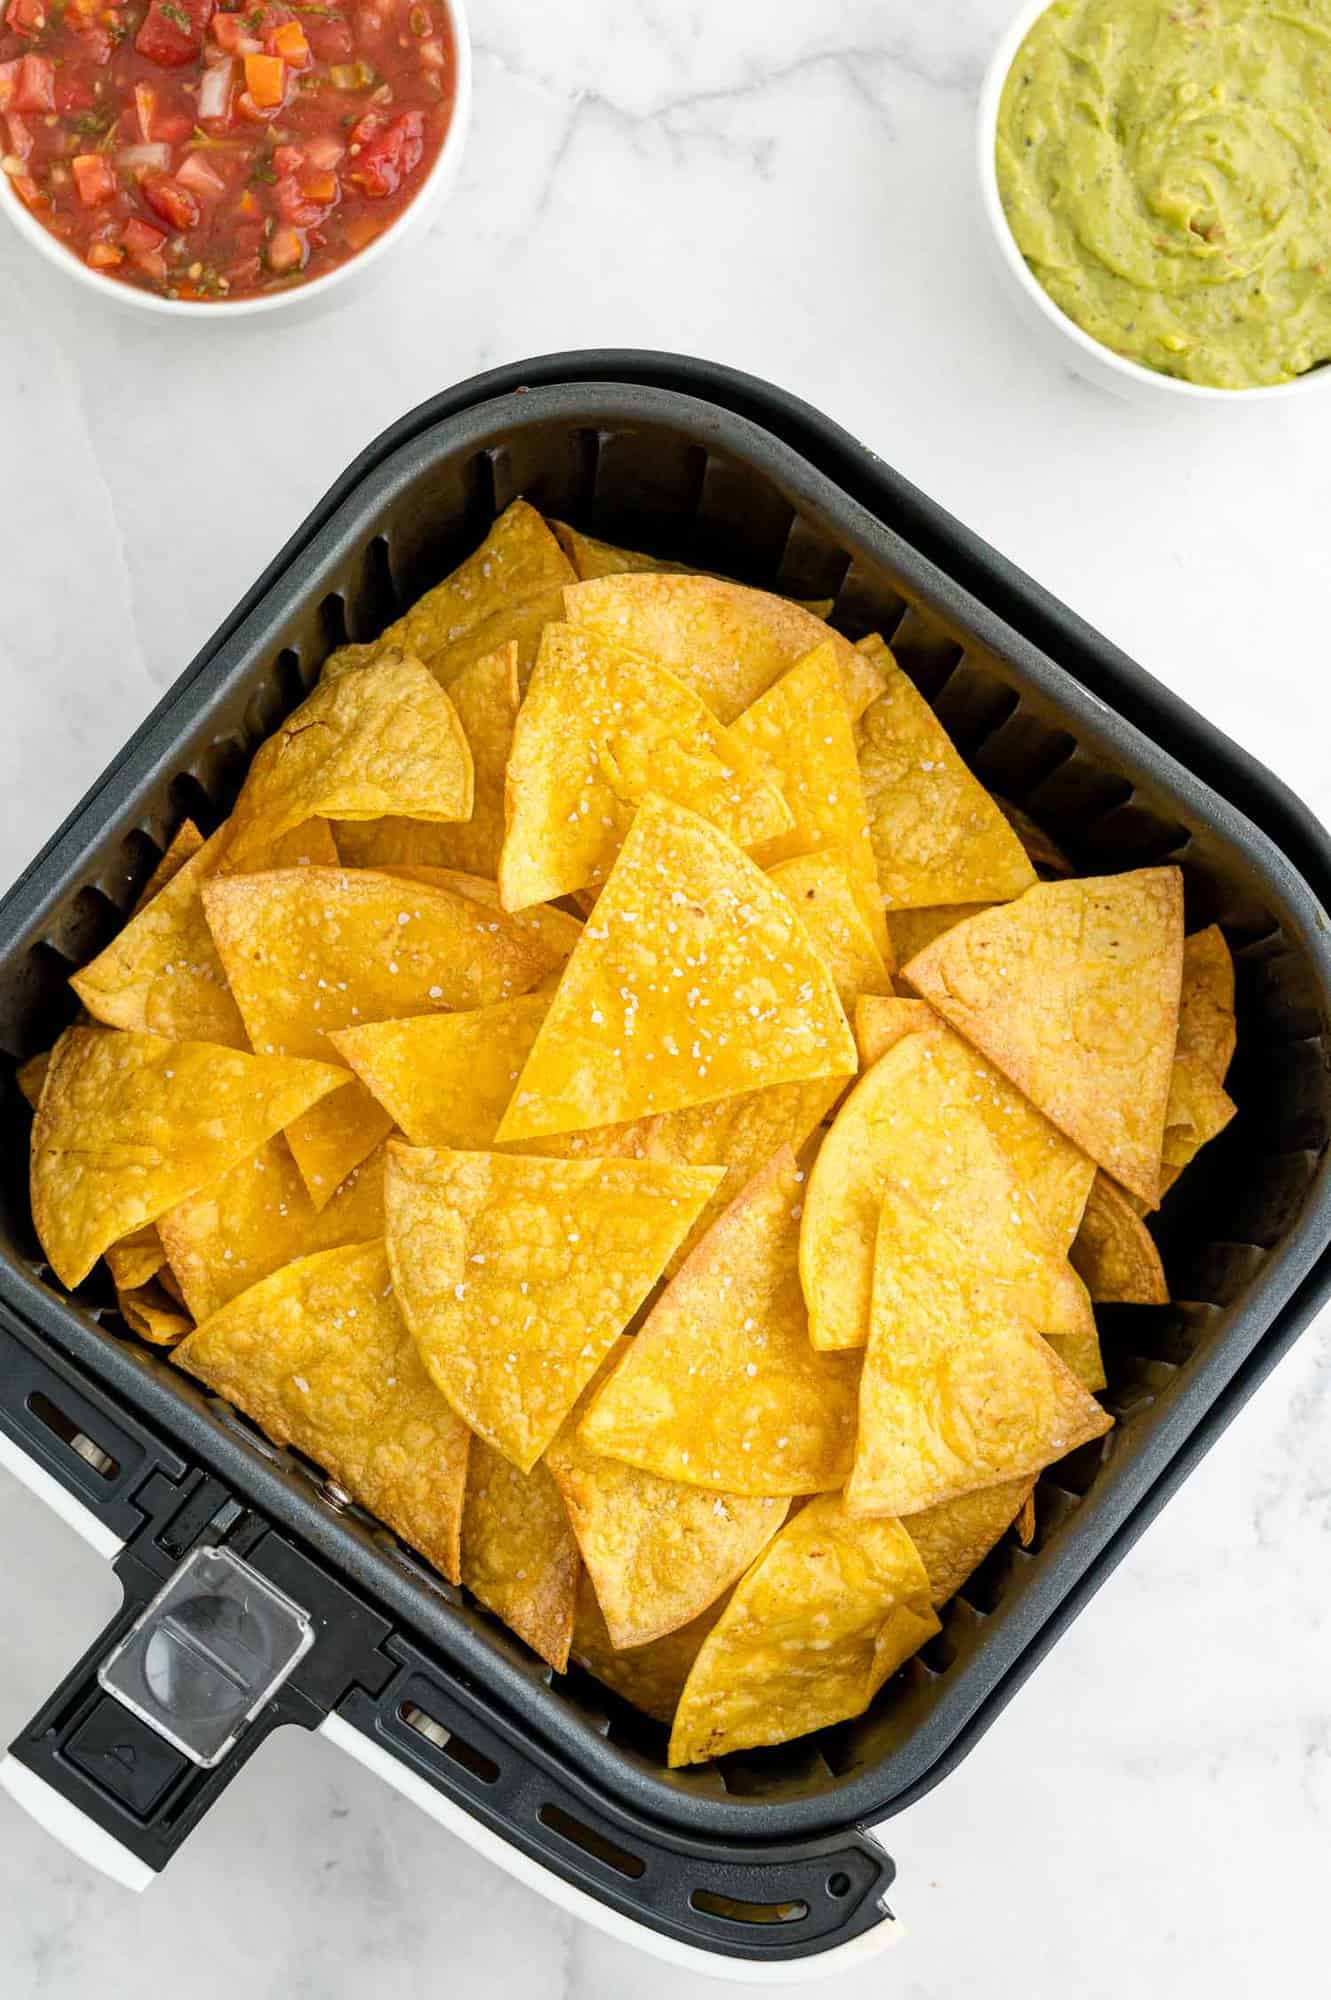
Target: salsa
[(1165, 167), (210, 152)]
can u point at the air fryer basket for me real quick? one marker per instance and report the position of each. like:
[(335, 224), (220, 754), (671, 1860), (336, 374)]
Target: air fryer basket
[(690, 479)]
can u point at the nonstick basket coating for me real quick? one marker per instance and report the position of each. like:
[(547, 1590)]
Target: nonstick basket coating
[(691, 480)]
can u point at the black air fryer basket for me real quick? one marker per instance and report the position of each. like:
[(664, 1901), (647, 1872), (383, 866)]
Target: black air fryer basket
[(765, 1857)]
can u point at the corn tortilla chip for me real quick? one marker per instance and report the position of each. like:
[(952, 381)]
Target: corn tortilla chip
[(311, 950), (913, 1121), (153, 1314), (556, 931), (721, 1387), (516, 1274), (1045, 854), (937, 835), (136, 1259), (258, 1218), (1073, 992), (317, 1353), (519, 1556), (1054, 1173), (1206, 1027), (131, 1124), (592, 558), (820, 888), (446, 1079), (384, 740), (830, 1609), (958, 1390), (486, 698), (801, 730), (727, 642), (909, 931), (183, 846), (954, 1538), (651, 1677), (599, 729), (31, 1077), (695, 982), (658, 1552), (1114, 1252)]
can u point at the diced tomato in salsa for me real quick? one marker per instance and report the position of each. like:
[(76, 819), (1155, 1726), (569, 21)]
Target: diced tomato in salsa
[(205, 150)]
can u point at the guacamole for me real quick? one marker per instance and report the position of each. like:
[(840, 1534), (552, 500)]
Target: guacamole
[(1165, 166)]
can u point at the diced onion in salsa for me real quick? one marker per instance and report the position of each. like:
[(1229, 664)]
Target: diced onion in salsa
[(211, 152)]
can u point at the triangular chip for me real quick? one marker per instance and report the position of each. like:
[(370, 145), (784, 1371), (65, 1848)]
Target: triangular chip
[(259, 1217), (1114, 1251), (599, 729), (486, 698), (820, 888), (319, 1356), (516, 1274), (958, 1390), (954, 1538), (311, 950), (937, 835), (1042, 849), (727, 642), (695, 982), (801, 729), (446, 1079), (136, 1258), (913, 1121), (151, 1313), (720, 1387), (1199, 1107), (184, 845), (131, 1124), (658, 1552), (652, 1677), (830, 1609), (1073, 992), (556, 931), (384, 740), (31, 1077), (519, 1556), (1055, 1174), (517, 566), (909, 931), (591, 557)]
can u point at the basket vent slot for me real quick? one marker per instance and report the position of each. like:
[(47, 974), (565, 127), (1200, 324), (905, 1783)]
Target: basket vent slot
[(732, 1911), (591, 1842), (453, 1746), (64, 1427)]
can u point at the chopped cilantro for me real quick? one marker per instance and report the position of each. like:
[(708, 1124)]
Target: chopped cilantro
[(177, 16)]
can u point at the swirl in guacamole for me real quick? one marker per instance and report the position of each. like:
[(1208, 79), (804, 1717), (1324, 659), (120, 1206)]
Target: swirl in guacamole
[(1165, 167)]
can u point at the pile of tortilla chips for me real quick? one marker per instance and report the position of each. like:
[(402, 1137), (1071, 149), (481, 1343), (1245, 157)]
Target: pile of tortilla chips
[(621, 1097)]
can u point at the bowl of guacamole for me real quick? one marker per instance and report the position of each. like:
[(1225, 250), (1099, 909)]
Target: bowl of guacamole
[(1158, 178)]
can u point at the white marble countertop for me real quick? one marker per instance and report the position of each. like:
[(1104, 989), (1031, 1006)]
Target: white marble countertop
[(788, 189)]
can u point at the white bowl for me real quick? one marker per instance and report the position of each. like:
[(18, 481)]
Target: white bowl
[(1076, 348), (299, 299)]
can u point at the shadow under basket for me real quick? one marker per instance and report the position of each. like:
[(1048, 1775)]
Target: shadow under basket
[(720, 473)]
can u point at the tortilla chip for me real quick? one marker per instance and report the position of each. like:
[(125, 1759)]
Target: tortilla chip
[(31, 1077), (958, 1390), (258, 1218), (153, 1314), (184, 845), (556, 931), (599, 729), (821, 890), (658, 1552), (937, 835), (518, 1553), (516, 1274), (136, 1259), (131, 1124), (1073, 992), (161, 974), (651, 1677), (721, 1388), (1114, 1251), (726, 642), (827, 1613), (1199, 1109), (591, 558), (384, 740), (1045, 854), (519, 563), (695, 982), (801, 730), (954, 1538), (486, 698), (913, 1121), (318, 1355), (312, 950), (1207, 1033), (1055, 1174), (909, 931), (446, 1079)]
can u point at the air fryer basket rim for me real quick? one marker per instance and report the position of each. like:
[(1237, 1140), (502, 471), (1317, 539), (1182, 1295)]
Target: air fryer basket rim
[(369, 485)]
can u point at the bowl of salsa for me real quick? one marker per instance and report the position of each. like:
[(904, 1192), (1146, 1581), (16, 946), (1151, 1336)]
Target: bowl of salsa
[(200, 157)]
